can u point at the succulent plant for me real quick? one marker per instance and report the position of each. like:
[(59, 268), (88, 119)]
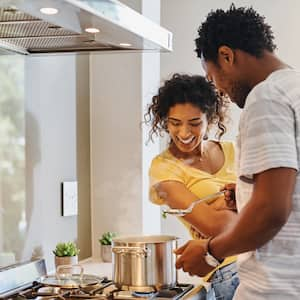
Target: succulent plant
[(66, 249), (107, 237)]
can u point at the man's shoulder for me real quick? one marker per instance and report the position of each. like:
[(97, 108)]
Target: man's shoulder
[(280, 83), (281, 87)]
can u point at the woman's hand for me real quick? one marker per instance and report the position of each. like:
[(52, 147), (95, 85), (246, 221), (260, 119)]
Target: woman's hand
[(229, 192), (219, 204)]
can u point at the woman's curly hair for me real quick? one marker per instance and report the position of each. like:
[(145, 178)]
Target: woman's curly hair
[(180, 89), (238, 28)]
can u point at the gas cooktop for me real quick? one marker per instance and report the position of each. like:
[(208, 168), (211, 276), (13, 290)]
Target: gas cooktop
[(21, 282)]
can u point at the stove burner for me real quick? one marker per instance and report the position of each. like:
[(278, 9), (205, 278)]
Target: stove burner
[(174, 293), (42, 292), (104, 292), (144, 294), (170, 293)]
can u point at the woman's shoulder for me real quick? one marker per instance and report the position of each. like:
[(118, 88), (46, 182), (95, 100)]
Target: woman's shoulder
[(164, 157), (165, 167), (229, 150), (225, 145), (228, 145), (165, 160)]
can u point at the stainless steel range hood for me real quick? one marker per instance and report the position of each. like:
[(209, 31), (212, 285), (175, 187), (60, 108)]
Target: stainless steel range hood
[(25, 29)]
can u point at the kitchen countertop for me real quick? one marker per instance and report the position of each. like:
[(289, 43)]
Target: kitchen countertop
[(97, 267)]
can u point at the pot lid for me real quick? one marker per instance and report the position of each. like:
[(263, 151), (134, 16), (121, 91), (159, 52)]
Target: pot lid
[(71, 281)]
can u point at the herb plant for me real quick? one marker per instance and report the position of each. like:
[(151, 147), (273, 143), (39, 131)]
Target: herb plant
[(107, 237), (66, 249)]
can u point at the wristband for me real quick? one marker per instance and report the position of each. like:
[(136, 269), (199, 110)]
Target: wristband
[(209, 258)]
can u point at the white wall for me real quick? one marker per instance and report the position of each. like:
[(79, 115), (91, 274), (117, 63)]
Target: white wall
[(51, 151), (121, 86), (183, 19), (150, 84), (116, 151)]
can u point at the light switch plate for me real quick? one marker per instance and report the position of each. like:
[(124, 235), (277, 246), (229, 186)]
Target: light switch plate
[(69, 198)]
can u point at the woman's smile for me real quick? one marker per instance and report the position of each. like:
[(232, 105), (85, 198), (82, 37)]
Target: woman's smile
[(187, 141)]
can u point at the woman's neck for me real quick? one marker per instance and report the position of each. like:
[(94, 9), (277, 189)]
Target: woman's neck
[(198, 152)]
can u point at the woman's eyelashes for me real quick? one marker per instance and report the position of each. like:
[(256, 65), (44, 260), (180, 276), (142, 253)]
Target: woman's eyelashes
[(196, 124), (176, 123)]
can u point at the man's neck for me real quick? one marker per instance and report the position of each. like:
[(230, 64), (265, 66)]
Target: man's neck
[(260, 68)]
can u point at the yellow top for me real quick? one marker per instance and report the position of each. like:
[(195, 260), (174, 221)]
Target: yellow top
[(166, 167)]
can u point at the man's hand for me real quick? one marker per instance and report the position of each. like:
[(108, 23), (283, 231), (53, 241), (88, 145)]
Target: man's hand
[(191, 258)]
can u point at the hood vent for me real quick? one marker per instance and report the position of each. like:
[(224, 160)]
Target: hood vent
[(25, 29)]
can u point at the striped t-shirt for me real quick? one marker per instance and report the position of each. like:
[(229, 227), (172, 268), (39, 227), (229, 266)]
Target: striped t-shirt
[(269, 137)]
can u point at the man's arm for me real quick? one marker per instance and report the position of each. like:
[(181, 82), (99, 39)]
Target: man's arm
[(258, 222), (263, 216)]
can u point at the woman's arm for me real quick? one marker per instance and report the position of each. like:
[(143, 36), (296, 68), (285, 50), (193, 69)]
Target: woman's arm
[(204, 217)]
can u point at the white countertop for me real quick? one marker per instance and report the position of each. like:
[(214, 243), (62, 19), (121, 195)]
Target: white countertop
[(97, 267)]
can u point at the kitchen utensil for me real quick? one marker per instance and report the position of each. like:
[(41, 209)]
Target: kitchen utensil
[(183, 212), (69, 280), (144, 263)]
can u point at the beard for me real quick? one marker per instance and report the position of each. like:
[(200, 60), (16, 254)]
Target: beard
[(238, 93)]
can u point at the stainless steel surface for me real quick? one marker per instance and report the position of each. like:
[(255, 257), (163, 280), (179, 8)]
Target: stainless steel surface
[(183, 212), (70, 277), (105, 290), (24, 29), (72, 281), (20, 276), (172, 293), (144, 263)]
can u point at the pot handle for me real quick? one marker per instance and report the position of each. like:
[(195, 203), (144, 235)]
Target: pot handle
[(132, 250), (68, 271)]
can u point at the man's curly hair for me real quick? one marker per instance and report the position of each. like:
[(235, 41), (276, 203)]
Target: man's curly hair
[(238, 28), (180, 89)]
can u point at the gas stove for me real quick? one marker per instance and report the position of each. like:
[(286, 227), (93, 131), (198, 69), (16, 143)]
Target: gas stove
[(21, 282)]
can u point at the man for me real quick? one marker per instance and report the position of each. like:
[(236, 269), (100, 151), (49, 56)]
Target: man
[(236, 49)]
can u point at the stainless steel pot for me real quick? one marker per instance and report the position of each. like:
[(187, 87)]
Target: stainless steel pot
[(144, 263)]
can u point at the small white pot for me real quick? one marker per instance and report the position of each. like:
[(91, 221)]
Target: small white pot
[(106, 253), (65, 260)]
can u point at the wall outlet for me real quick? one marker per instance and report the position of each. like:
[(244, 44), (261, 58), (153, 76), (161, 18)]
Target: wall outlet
[(69, 198)]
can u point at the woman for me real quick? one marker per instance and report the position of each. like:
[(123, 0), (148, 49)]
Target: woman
[(193, 166)]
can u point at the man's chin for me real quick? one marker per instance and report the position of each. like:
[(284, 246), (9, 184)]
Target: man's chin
[(240, 103)]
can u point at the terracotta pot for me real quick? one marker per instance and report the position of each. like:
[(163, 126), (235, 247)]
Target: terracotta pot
[(66, 260), (106, 253)]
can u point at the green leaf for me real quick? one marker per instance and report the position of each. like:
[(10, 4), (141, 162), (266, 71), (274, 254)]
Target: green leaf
[(66, 249), (107, 237)]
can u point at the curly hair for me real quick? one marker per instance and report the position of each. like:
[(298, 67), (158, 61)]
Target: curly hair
[(180, 89), (238, 28)]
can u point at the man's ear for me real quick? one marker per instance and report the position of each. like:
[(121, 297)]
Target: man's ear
[(226, 56)]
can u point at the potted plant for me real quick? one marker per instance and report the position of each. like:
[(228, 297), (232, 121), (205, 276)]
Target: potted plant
[(66, 254), (105, 242)]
